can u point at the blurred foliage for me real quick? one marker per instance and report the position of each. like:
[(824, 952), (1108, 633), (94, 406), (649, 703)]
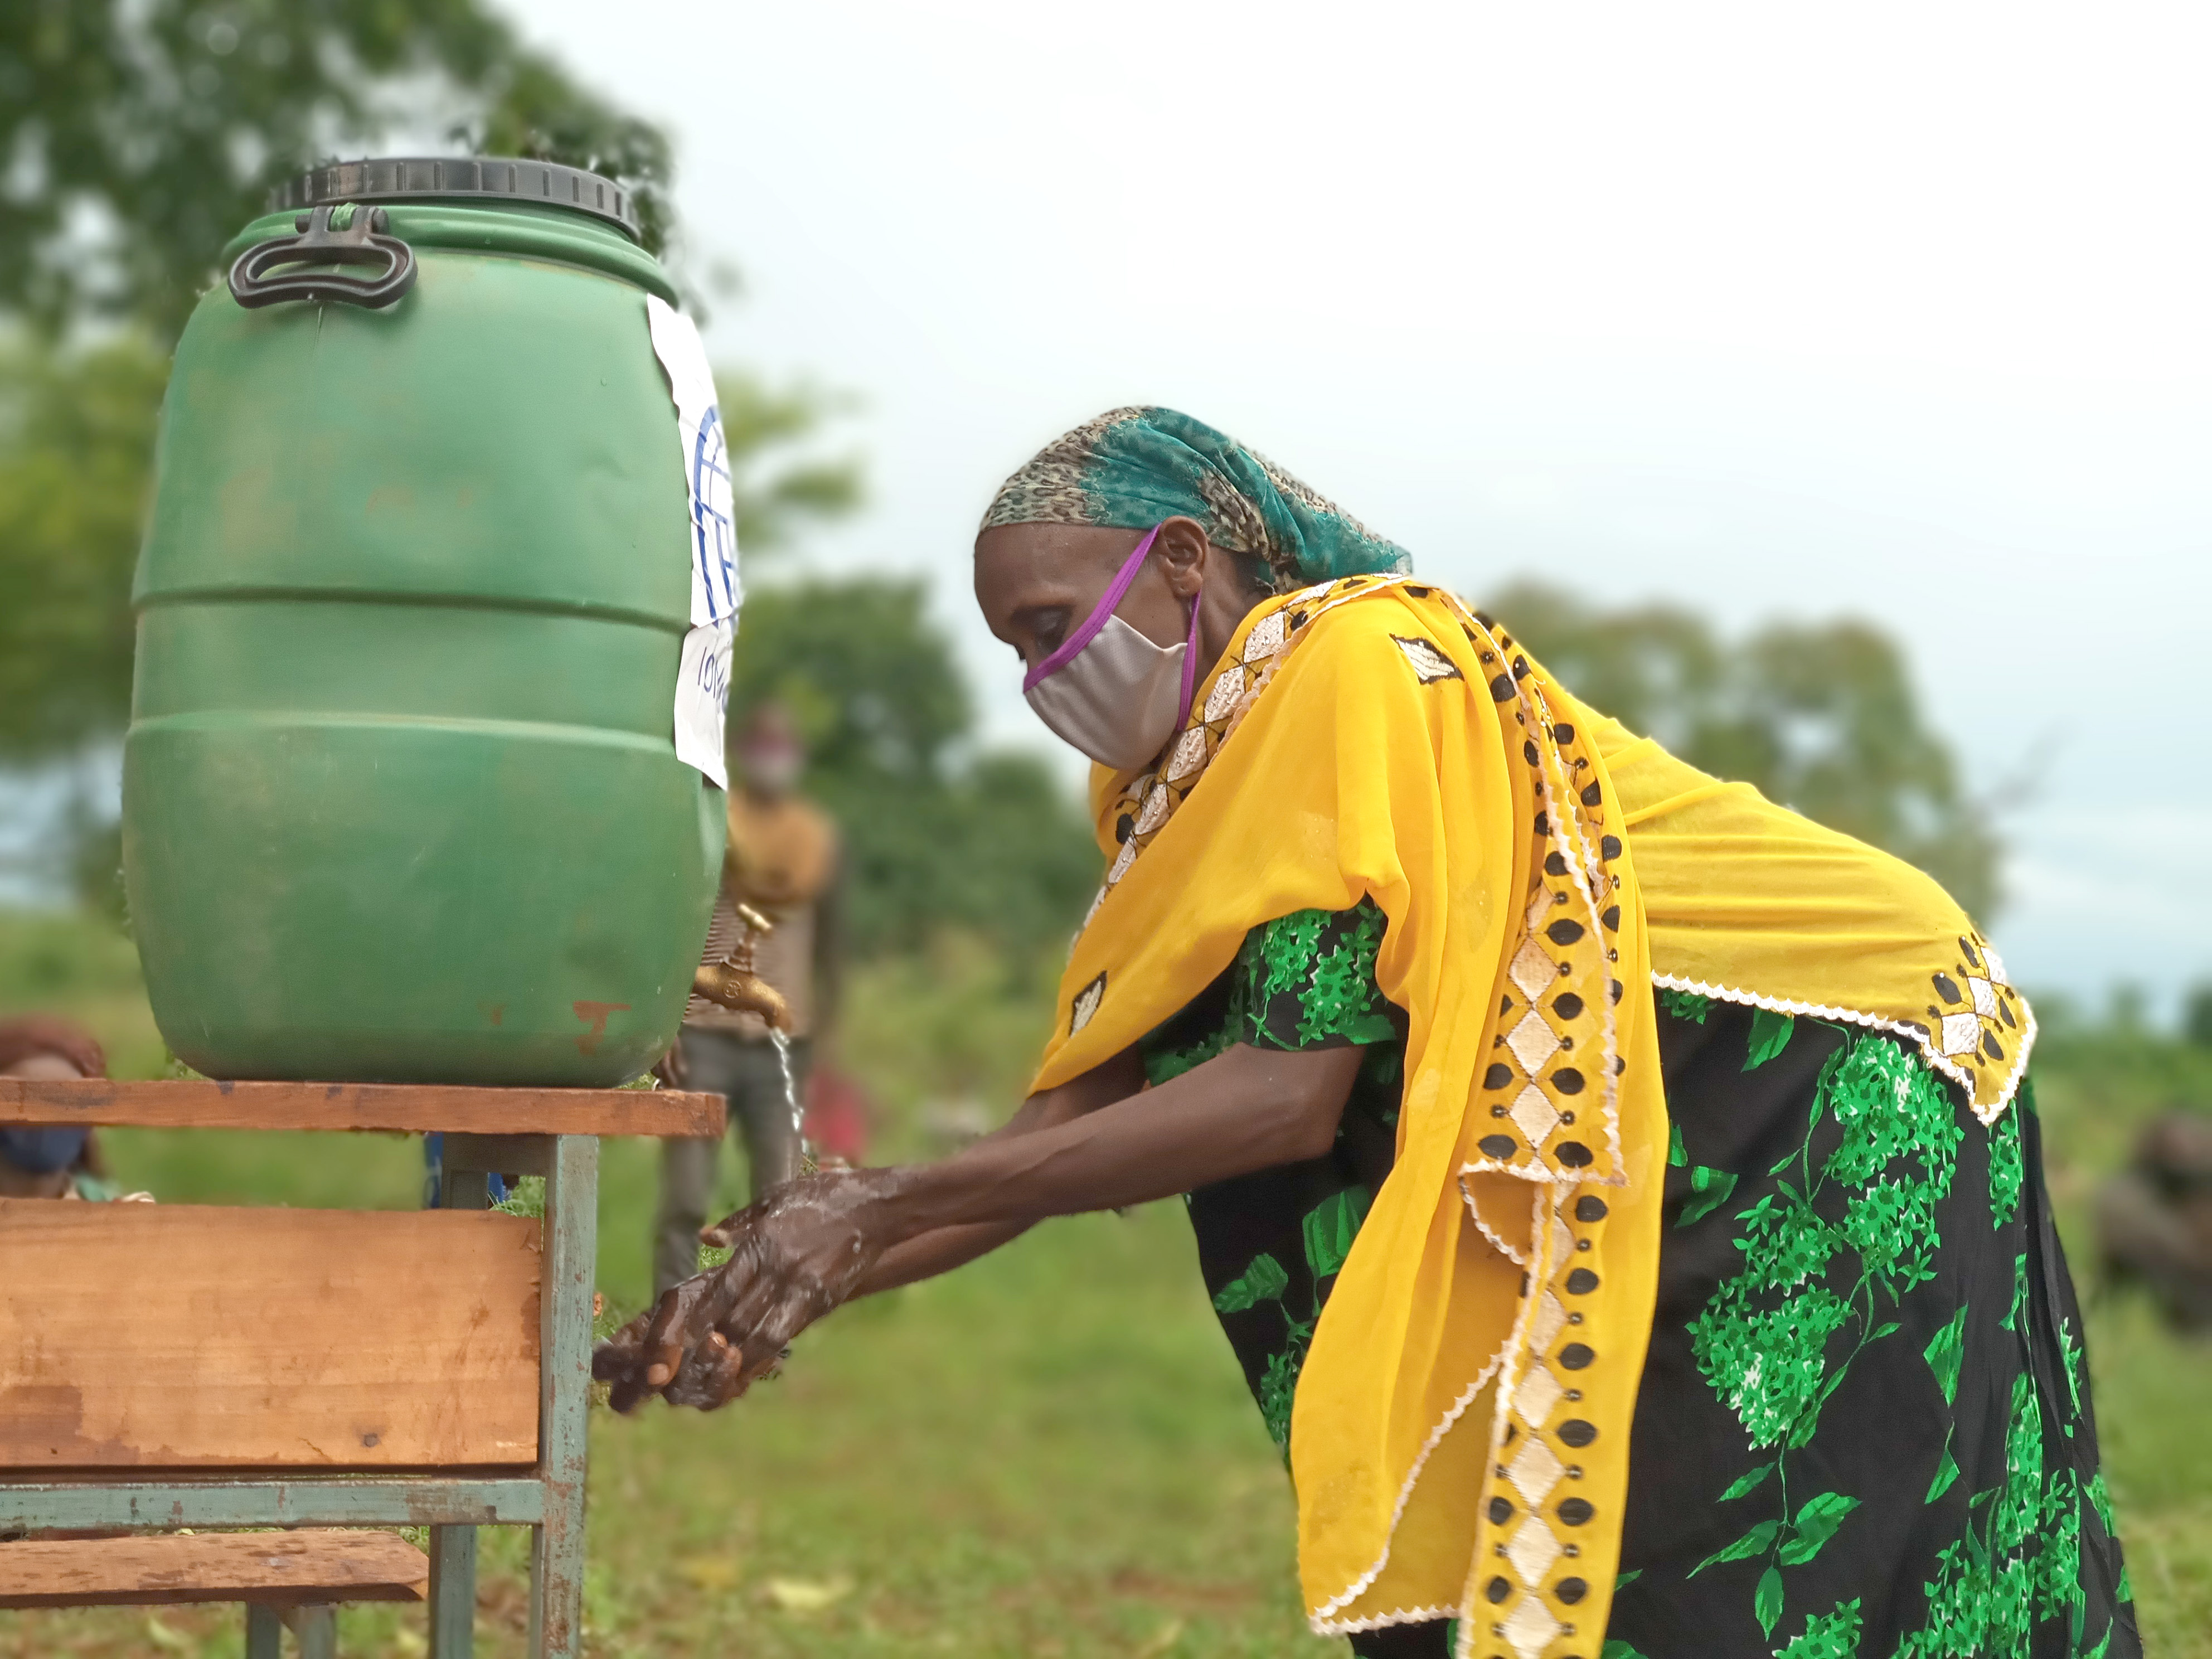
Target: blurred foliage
[(76, 437), (81, 965), (2197, 1015), (959, 1022), (936, 835), (1820, 716), (761, 423), (138, 135)]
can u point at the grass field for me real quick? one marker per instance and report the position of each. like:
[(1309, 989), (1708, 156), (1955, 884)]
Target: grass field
[(1049, 1453)]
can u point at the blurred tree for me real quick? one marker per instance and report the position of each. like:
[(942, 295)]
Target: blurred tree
[(1821, 717), (138, 135), (2197, 1015), (780, 487), (936, 833), (77, 434)]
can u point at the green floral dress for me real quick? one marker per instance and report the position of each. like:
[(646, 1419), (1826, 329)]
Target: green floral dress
[(1864, 1430)]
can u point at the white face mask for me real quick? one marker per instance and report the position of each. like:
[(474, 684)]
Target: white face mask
[(1107, 690)]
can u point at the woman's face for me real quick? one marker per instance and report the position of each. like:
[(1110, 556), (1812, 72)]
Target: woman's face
[(1037, 583)]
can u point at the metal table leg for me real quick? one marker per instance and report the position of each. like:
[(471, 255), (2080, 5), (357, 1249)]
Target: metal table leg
[(453, 1549), (557, 1555), (316, 1628), (452, 1592)]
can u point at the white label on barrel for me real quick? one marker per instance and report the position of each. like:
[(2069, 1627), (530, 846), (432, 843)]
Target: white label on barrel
[(702, 682), (702, 692)]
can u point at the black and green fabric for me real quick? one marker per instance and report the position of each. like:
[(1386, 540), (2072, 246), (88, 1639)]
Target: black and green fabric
[(1269, 1243), (1864, 1430)]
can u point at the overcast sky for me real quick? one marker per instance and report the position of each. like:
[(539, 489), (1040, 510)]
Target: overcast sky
[(1897, 310)]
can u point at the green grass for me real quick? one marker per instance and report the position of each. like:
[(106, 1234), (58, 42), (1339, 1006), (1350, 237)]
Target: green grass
[(1050, 1453)]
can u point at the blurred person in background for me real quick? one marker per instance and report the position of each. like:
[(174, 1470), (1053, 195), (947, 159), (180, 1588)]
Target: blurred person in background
[(51, 1162), (1624, 1196), (2154, 1219), (783, 860)]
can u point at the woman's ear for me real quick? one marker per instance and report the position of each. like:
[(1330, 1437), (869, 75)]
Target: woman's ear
[(1182, 550)]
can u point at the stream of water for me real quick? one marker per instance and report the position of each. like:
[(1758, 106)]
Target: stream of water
[(791, 1097)]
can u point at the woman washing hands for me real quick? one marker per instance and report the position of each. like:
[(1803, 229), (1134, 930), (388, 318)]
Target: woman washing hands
[(818, 1240), (1618, 1191)]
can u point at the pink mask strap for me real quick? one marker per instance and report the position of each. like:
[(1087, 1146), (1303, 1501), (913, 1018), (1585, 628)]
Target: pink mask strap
[(1189, 668), (1116, 591)]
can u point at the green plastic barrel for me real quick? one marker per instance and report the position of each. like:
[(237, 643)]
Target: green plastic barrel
[(401, 799)]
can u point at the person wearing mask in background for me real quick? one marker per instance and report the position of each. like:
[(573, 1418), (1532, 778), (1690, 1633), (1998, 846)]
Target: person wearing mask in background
[(782, 861), (49, 1162)]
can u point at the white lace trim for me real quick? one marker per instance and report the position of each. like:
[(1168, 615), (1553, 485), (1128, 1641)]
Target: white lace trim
[(1483, 1227), (1382, 1620), (1319, 1617), (1916, 1035), (1541, 1177)]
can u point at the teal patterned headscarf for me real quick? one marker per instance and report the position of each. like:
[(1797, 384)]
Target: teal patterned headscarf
[(1131, 468)]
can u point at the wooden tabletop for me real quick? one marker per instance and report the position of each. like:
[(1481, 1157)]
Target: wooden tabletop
[(412, 1108)]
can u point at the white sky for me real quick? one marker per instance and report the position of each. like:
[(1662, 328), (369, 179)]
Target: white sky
[(1892, 309)]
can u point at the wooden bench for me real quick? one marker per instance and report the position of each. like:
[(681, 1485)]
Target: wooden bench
[(284, 1577), (170, 1367)]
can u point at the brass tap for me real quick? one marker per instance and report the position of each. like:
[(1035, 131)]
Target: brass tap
[(732, 983), (742, 991)]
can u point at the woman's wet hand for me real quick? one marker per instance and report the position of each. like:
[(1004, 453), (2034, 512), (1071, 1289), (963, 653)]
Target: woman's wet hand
[(799, 1252)]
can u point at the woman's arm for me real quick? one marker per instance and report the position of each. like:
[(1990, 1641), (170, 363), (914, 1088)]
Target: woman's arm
[(1246, 1108), (813, 1244)]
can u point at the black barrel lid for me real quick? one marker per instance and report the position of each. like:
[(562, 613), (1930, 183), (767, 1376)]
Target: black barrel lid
[(402, 177)]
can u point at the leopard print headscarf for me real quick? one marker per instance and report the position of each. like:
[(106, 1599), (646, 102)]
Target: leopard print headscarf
[(1131, 468)]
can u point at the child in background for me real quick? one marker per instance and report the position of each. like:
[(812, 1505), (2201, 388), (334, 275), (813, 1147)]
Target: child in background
[(51, 1161)]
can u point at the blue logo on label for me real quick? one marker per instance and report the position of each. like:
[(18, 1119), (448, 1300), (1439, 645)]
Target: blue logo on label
[(714, 537)]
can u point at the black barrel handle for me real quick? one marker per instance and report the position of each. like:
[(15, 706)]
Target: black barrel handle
[(365, 241)]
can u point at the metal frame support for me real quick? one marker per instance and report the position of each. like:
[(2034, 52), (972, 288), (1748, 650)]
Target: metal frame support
[(452, 1592), (368, 1501), (453, 1549), (315, 1628), (556, 1554)]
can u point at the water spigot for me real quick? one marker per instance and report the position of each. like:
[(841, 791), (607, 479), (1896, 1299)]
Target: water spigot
[(732, 982), (742, 991)]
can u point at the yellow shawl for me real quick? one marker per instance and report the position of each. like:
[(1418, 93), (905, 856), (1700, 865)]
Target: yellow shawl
[(1460, 1434)]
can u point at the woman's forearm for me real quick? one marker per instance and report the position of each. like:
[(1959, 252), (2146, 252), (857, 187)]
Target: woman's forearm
[(930, 1254), (1245, 1110)]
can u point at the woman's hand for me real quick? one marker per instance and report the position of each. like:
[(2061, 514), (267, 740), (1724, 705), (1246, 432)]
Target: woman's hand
[(799, 1252)]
